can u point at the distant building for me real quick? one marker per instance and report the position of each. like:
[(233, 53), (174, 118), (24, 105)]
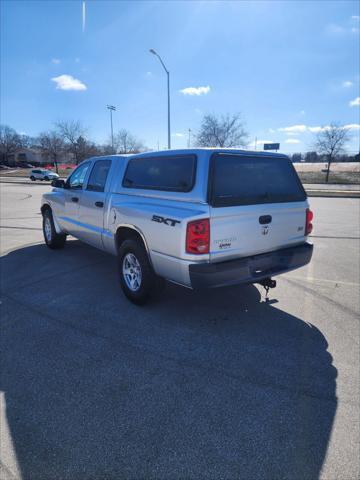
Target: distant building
[(37, 157)]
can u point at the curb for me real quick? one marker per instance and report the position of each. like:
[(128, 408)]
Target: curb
[(334, 193)]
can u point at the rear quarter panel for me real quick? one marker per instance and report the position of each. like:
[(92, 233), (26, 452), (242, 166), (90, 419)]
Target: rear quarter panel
[(161, 218)]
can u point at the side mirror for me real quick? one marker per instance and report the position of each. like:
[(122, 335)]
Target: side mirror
[(58, 183)]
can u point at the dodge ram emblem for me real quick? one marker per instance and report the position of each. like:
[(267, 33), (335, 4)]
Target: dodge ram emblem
[(265, 230)]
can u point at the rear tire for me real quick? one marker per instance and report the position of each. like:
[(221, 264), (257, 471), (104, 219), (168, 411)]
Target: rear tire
[(52, 239), (137, 277), (47, 179)]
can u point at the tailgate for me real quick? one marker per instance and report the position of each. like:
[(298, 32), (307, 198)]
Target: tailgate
[(252, 229)]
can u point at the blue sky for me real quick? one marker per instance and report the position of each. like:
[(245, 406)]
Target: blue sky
[(289, 67)]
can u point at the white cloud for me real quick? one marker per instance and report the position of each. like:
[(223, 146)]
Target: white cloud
[(316, 129), (68, 82), (335, 29), (56, 61), (352, 126), (271, 130), (293, 130), (177, 134), (355, 102), (347, 84), (292, 140), (195, 90), (297, 129)]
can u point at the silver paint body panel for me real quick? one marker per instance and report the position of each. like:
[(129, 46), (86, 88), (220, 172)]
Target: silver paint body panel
[(236, 227)]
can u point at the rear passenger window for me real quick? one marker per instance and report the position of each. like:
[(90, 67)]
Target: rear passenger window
[(170, 173), (99, 175)]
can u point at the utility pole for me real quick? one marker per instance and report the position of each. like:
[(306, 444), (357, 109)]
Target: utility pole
[(168, 94), (189, 139), (255, 143), (111, 109)]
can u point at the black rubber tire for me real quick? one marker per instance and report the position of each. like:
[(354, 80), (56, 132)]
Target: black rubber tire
[(57, 240), (150, 282), (47, 179), (32, 178)]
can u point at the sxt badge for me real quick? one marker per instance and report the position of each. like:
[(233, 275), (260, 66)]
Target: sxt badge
[(168, 221)]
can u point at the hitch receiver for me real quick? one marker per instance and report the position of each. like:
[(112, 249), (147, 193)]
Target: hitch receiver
[(267, 283)]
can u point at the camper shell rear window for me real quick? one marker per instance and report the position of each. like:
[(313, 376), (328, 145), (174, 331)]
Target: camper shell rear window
[(250, 179)]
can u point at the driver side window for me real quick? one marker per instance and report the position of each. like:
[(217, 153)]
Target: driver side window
[(77, 178)]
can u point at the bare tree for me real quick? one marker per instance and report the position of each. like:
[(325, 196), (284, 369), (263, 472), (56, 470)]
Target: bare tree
[(53, 144), (331, 141), (73, 134), (125, 142), (226, 131), (85, 149), (10, 141)]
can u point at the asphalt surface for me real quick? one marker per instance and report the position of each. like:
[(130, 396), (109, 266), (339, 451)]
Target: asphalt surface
[(212, 385)]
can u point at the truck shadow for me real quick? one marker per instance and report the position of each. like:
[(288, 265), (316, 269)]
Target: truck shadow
[(213, 384)]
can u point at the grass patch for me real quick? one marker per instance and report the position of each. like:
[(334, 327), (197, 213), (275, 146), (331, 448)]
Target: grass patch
[(335, 178)]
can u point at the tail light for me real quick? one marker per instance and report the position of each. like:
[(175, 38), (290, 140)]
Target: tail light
[(198, 236), (308, 224)]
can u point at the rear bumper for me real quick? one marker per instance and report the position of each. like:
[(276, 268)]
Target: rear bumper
[(249, 269)]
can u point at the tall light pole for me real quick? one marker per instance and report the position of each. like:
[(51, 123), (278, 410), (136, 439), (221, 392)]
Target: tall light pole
[(168, 93), (112, 109)]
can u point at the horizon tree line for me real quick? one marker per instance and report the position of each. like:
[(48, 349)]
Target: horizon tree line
[(224, 131)]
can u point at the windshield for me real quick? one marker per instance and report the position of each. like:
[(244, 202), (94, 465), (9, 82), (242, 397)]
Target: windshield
[(247, 180)]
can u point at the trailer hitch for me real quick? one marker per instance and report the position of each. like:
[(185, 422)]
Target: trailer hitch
[(267, 283)]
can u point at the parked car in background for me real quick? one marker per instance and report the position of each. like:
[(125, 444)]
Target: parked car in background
[(40, 174)]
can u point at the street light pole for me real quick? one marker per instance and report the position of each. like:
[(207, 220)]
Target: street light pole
[(111, 109), (168, 93)]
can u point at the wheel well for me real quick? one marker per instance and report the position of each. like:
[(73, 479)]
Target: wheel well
[(124, 233), (45, 207)]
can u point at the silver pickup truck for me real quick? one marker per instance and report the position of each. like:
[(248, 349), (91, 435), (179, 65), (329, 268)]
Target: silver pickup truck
[(196, 217)]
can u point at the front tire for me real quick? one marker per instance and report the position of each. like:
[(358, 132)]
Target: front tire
[(137, 277), (52, 239), (32, 178), (47, 179)]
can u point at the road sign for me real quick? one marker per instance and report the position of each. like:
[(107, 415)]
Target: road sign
[(271, 146)]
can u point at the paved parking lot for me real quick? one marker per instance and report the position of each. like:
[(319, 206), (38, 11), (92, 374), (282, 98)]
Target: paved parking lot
[(215, 385)]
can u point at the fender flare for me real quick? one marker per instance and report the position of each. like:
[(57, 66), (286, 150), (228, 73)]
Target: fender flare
[(137, 230)]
